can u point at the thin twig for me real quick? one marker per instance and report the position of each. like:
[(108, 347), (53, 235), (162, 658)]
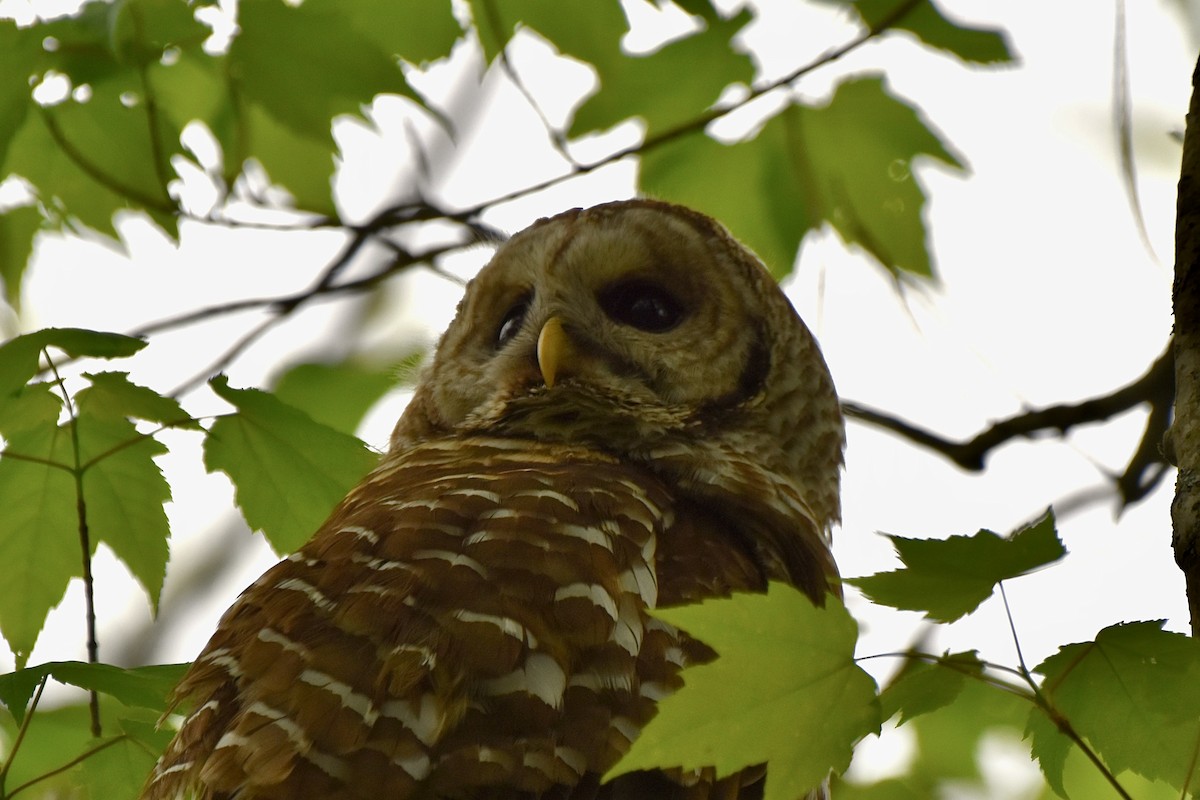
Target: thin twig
[(1155, 386), (702, 121), (1032, 695), (79, 759), (1043, 702), (110, 182), (25, 721), (232, 352), (85, 545)]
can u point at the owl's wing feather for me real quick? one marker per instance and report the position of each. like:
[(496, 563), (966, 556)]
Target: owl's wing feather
[(452, 630)]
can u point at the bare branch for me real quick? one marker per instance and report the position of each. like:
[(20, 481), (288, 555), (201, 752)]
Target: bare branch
[(702, 121), (1155, 387)]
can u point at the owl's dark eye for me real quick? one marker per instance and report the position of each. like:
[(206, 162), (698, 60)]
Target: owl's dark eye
[(511, 322), (642, 305)]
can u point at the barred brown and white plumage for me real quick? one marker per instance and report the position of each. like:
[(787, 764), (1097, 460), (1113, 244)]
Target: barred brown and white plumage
[(625, 413)]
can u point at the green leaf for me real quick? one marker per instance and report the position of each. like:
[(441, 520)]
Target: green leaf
[(981, 45), (144, 687), (591, 32), (848, 163), (124, 492), (297, 162), (140, 30), (1050, 747), (120, 770), (19, 355), (949, 578), (418, 31), (39, 532), (949, 739), (54, 738), (21, 57), (289, 471), (633, 86), (112, 395), (116, 767), (801, 714), (34, 406), (57, 737), (18, 226), (97, 157), (299, 67), (1134, 695), (337, 395), (891, 789), (925, 686)]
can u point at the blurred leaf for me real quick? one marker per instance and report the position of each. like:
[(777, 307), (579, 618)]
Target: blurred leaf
[(116, 768), (983, 45), (1134, 694), (299, 67), (417, 31), (802, 715), (297, 162), (889, 789), (19, 355), (21, 57), (337, 395), (145, 687), (700, 66), (761, 202), (289, 471), (949, 738), (18, 226), (848, 163), (949, 578), (591, 32), (100, 156), (924, 686), (36, 405), (56, 737), (140, 30)]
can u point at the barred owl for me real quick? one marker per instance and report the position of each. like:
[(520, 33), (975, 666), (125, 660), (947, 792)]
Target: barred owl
[(626, 412)]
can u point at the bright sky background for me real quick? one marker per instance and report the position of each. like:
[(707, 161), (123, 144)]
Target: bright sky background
[(1047, 295)]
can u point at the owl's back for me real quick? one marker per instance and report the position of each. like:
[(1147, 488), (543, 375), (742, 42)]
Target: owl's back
[(470, 622)]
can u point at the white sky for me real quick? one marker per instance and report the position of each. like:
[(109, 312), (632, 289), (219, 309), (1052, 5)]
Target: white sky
[(1047, 296)]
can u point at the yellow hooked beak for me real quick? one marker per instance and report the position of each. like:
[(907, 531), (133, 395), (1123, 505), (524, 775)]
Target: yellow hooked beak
[(555, 352)]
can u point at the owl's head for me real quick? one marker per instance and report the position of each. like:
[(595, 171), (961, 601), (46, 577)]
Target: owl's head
[(646, 330)]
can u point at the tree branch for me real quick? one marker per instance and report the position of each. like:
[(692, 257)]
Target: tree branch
[(1155, 387), (1185, 433)]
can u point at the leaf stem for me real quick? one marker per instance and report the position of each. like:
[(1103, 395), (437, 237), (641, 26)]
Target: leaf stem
[(79, 759), (1043, 703), (85, 546)]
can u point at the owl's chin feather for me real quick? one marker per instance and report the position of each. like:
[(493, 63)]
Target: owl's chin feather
[(575, 412)]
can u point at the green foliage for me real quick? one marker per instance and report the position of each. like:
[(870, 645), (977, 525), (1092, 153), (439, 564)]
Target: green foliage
[(143, 687), (78, 467), (847, 163), (926, 22), (798, 715), (337, 395), (289, 470), (925, 686), (948, 579), (1133, 694)]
